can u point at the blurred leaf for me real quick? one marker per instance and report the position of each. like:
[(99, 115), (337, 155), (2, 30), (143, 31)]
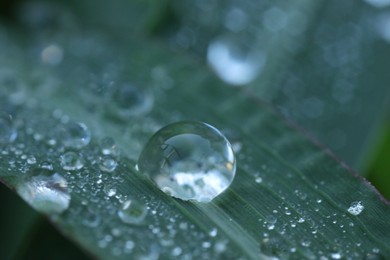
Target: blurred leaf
[(290, 198), (322, 63), (379, 168)]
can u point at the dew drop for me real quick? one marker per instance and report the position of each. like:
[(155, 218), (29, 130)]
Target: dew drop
[(356, 208), (189, 161), (75, 135), (31, 160), (213, 232), (132, 212), (71, 161), (52, 55), (48, 194), (110, 191), (234, 64), (107, 163), (130, 101), (8, 132), (108, 146)]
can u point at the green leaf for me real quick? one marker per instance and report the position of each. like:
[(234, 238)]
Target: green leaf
[(290, 198), (325, 61)]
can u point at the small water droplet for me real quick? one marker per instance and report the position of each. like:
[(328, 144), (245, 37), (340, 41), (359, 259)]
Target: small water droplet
[(31, 160), (109, 190), (107, 163), (235, 64), (48, 194), (189, 161), (71, 161), (132, 212), (52, 54), (336, 255), (356, 208), (213, 232), (301, 220), (8, 131), (258, 179), (130, 101), (46, 165), (108, 146), (75, 135)]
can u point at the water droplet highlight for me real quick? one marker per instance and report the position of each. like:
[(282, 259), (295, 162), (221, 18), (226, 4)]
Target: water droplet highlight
[(189, 161), (356, 208), (132, 212), (48, 194)]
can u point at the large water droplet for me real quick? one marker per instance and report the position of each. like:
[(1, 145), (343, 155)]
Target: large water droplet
[(45, 193), (75, 135), (356, 208), (234, 64), (7, 130), (132, 212), (71, 161), (189, 161)]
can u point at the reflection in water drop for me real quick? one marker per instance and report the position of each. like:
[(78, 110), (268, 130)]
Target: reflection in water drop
[(356, 208), (8, 131), (233, 64), (189, 161), (71, 161), (132, 212), (75, 135), (48, 194)]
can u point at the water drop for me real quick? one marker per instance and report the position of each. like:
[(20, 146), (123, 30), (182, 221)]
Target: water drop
[(356, 208), (378, 3), (75, 135), (109, 190), (336, 255), (48, 194), (71, 161), (52, 55), (189, 161), (31, 160), (234, 64), (107, 163), (213, 232), (258, 179), (108, 146), (130, 101), (132, 212), (7, 130)]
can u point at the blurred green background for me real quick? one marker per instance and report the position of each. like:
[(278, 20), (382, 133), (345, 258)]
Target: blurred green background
[(293, 82)]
